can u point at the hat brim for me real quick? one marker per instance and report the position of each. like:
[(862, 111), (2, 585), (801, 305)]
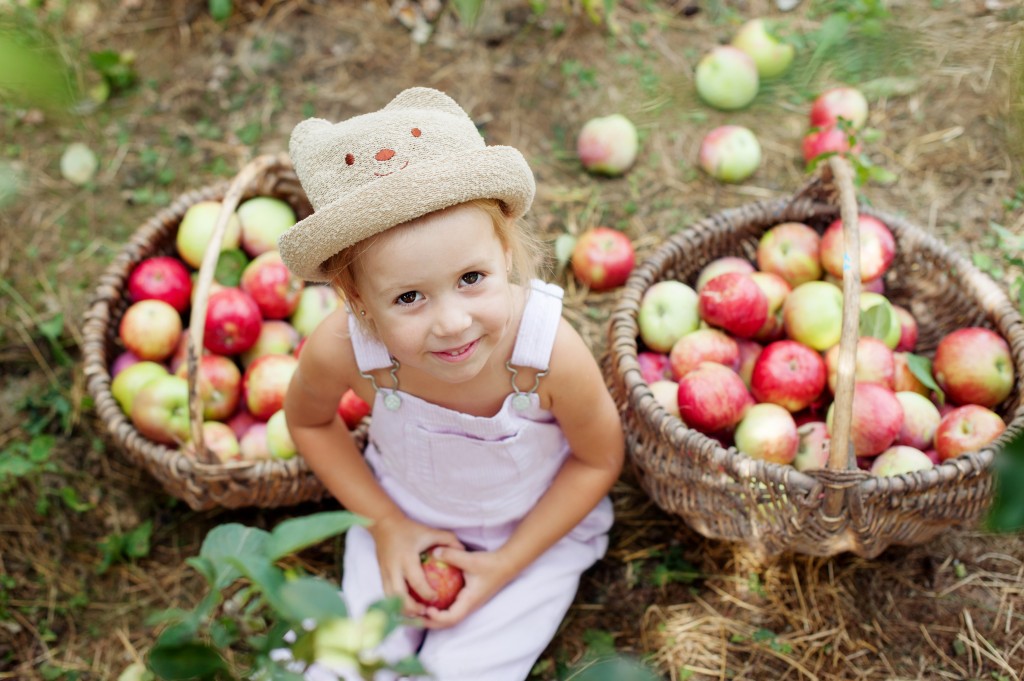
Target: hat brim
[(494, 172)]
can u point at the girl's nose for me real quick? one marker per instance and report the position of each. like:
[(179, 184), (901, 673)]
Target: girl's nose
[(384, 155), (452, 320)]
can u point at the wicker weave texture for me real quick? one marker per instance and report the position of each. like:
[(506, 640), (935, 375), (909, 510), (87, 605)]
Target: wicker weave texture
[(775, 508), (182, 472)]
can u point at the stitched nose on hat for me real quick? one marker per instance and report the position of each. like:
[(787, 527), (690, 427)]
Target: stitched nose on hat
[(384, 155)]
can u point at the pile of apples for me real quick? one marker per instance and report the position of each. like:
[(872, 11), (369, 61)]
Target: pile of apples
[(749, 353), (258, 315)]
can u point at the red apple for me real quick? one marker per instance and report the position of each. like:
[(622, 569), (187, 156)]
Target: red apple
[(813, 314), (233, 322), (734, 302), (792, 250), (654, 366), (122, 362), (920, 421), (728, 263), (315, 303), (219, 385), (241, 421), (749, 352), (842, 102), (160, 410), (263, 219), (150, 329), (221, 441), (703, 345), (726, 78), (967, 429), (161, 278), (668, 311), (877, 248), (252, 446), (352, 409), (767, 432), (730, 153), (876, 420), (900, 459), (813, 450), (608, 145), (775, 290), (712, 398), (272, 285), (908, 329), (196, 230), (603, 258), (830, 139), (873, 363), (265, 383), (973, 366), (788, 374), (277, 337)]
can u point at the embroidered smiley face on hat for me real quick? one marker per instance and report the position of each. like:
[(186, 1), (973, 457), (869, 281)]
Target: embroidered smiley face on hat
[(418, 154)]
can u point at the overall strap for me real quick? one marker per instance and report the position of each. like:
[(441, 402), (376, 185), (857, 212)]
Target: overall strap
[(537, 328), (369, 351)]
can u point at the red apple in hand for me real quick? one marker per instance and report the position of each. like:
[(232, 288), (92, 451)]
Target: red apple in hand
[(733, 301), (352, 408), (712, 398), (967, 429), (233, 322), (973, 366), (603, 258), (272, 285), (161, 278), (445, 579), (150, 329), (788, 374)]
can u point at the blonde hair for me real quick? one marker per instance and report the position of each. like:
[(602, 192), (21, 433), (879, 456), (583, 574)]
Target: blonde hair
[(515, 237)]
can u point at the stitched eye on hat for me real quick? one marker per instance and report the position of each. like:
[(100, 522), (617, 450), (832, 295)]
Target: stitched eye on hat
[(416, 132), (349, 159)]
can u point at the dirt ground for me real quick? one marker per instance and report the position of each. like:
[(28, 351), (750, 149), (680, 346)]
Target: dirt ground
[(944, 80)]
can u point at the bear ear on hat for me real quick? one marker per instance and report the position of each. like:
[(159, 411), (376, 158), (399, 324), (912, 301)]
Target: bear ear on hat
[(305, 131), (426, 98)]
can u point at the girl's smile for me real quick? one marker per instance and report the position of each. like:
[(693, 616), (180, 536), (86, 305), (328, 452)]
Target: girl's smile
[(457, 355)]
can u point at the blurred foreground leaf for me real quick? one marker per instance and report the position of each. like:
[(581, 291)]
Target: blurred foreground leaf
[(1007, 511), (33, 74)]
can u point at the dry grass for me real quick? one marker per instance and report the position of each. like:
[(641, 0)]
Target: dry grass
[(949, 610)]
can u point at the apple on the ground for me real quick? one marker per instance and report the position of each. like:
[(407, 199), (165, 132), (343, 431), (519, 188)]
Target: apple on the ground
[(160, 410), (712, 398), (196, 230), (668, 311), (771, 56), (767, 432), (967, 429), (608, 145), (263, 219), (730, 153), (900, 459), (726, 78), (973, 365), (788, 374), (703, 345), (733, 301), (150, 329), (163, 278), (829, 139), (603, 258), (844, 102), (813, 314)]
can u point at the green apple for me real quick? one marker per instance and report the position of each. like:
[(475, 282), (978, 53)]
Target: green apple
[(127, 384), (160, 410), (196, 230), (668, 311), (263, 219), (771, 56), (813, 314), (726, 78), (279, 439)]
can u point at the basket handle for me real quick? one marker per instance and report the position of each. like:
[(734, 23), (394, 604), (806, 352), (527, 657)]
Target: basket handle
[(841, 453), (197, 318)]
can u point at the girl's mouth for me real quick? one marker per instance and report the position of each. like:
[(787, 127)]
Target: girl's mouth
[(459, 354)]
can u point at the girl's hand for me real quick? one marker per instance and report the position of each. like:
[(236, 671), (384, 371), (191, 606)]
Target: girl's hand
[(485, 572), (400, 541)]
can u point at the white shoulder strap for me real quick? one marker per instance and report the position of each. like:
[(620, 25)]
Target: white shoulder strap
[(537, 328), (369, 351)]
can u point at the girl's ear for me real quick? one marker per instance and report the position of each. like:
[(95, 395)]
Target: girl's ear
[(508, 262)]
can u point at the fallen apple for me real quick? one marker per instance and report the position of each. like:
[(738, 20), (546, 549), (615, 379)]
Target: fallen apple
[(726, 78), (771, 56), (603, 258), (608, 145), (845, 102), (730, 153)]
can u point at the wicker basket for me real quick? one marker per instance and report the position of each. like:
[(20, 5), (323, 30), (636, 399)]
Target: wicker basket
[(191, 473), (774, 508)]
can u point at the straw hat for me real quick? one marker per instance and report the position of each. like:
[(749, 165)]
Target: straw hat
[(418, 154)]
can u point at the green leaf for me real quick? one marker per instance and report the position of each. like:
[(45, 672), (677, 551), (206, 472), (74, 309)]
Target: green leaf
[(52, 328), (180, 633), (204, 566), (264, 576), (220, 10), (296, 534), (409, 666), (599, 642), (190, 661), (311, 597), (875, 321), (889, 86), (1007, 511), (564, 245), (226, 542), (137, 541), (921, 367), (468, 11), (69, 495)]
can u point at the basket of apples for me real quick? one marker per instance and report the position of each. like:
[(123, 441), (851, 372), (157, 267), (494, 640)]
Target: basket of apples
[(795, 384), (192, 337)]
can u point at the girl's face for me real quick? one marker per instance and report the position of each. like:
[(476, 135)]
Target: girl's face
[(437, 292)]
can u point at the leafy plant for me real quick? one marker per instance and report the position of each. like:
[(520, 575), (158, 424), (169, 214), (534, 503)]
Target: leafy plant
[(117, 69), (117, 548), (255, 609)]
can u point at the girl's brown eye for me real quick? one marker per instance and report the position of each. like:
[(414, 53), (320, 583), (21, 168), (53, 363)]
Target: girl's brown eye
[(416, 132), (349, 159)]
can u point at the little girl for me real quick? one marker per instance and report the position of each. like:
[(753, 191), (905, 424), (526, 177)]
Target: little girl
[(492, 434)]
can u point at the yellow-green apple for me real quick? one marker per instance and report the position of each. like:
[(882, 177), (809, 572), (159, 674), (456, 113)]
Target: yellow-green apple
[(876, 419), (233, 322), (728, 263), (668, 311), (277, 337), (221, 441), (265, 382), (666, 393), (908, 329), (219, 385), (241, 420), (877, 248), (904, 379), (813, 449), (878, 319), (733, 301), (813, 314), (749, 351), (352, 408), (150, 329), (163, 278), (830, 139), (196, 230), (160, 410), (608, 145), (792, 250), (129, 381), (775, 290), (730, 153), (122, 362), (967, 429), (279, 438), (272, 285), (771, 56), (703, 345), (654, 366), (767, 432), (900, 459), (873, 363), (603, 258), (726, 78), (252, 446), (263, 219), (844, 102), (315, 303), (788, 374), (712, 398), (973, 365), (920, 421)]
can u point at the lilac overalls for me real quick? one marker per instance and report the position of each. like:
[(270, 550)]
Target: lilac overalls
[(478, 477)]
